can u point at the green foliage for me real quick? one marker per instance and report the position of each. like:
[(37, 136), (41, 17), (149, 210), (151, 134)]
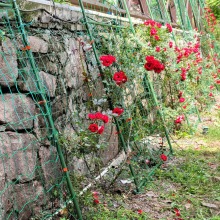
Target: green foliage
[(216, 11), (62, 1), (103, 213)]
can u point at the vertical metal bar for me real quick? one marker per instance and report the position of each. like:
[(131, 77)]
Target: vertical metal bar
[(197, 111), (55, 133), (129, 17), (160, 9), (181, 13), (148, 81), (148, 5), (188, 124), (195, 16), (103, 78)]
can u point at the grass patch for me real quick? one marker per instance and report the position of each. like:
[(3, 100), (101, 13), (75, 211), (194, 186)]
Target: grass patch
[(214, 133), (193, 173)]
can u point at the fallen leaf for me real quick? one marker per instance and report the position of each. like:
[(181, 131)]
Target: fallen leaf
[(216, 178), (209, 205), (167, 201), (151, 194), (187, 206)]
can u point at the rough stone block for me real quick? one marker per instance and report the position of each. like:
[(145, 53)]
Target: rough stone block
[(36, 43), (74, 68), (112, 149), (18, 156), (59, 106), (48, 82), (6, 202), (24, 193), (16, 111), (50, 165), (45, 19), (8, 63)]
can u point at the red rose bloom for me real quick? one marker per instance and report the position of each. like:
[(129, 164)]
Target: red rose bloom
[(105, 118), (178, 121), (156, 37), (183, 78), (149, 66), (157, 66), (96, 201), (149, 58), (95, 196), (152, 23), (171, 44), (91, 116), (153, 31), (118, 76), (146, 23), (162, 67), (157, 49), (98, 115), (163, 157), (125, 79), (118, 111), (100, 130), (118, 83), (93, 127), (107, 60), (169, 27), (159, 25), (182, 99)]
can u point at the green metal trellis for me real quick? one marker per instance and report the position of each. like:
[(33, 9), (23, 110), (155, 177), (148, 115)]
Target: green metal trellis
[(146, 103)]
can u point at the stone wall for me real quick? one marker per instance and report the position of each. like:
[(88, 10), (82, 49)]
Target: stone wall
[(30, 166)]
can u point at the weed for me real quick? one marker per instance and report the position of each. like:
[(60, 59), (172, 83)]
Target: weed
[(214, 133)]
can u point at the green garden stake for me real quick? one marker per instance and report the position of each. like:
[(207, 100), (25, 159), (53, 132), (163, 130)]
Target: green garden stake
[(36, 72), (151, 15), (190, 129), (197, 111), (129, 17)]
